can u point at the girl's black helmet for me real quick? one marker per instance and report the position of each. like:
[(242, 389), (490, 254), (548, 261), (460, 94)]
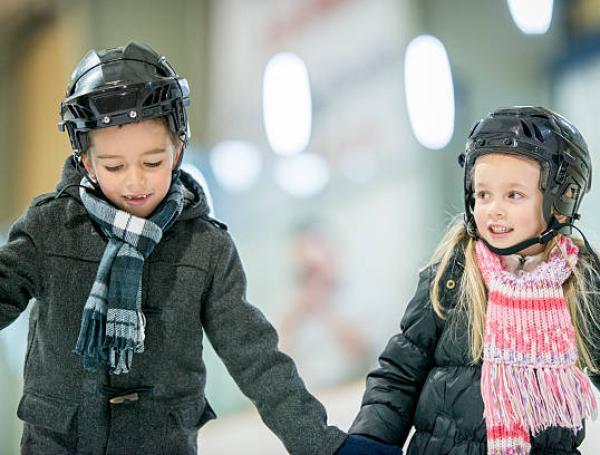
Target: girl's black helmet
[(123, 85), (540, 134)]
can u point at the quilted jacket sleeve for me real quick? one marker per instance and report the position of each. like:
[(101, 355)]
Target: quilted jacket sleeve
[(595, 351), (393, 389)]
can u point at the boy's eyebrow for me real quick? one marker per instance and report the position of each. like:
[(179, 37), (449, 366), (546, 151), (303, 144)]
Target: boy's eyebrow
[(149, 152)]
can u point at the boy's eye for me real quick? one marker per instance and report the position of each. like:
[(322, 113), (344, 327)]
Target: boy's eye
[(481, 195), (113, 168), (155, 164), (515, 195)]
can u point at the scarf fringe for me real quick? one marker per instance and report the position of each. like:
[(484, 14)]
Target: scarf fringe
[(90, 341), (123, 340), (536, 398)]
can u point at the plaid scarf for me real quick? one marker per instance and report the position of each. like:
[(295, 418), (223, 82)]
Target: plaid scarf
[(112, 323), (530, 379)]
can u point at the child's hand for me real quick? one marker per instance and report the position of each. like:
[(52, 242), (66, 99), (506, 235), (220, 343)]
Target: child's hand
[(362, 445)]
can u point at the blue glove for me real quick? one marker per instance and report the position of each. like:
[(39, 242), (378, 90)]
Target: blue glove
[(361, 445)]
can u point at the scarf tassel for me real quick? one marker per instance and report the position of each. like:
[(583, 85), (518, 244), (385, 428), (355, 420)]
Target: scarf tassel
[(91, 340), (125, 337), (536, 398)]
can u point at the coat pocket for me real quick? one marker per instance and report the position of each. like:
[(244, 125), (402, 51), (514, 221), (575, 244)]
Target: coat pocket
[(50, 413)]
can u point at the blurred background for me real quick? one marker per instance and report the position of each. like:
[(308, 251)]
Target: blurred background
[(327, 132)]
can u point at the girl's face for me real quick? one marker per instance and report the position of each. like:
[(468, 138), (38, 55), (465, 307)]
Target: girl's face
[(508, 201), (132, 164)]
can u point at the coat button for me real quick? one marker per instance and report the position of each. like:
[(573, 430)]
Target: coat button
[(450, 284)]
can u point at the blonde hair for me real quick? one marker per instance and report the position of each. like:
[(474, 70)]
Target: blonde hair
[(472, 299)]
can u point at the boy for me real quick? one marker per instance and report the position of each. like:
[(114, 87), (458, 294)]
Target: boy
[(127, 271)]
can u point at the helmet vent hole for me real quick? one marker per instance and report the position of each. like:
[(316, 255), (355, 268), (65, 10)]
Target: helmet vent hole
[(538, 133), (526, 129), (159, 95), (80, 112)]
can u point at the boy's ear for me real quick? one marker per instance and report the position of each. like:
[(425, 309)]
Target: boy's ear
[(177, 155), (87, 165)]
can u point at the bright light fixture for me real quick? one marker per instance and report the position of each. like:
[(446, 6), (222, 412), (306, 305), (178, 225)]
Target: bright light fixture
[(532, 16), (287, 105), (429, 91)]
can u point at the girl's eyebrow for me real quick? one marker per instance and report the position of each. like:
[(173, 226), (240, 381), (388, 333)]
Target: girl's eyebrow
[(509, 184)]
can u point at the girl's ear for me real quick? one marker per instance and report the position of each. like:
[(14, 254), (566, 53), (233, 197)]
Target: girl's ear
[(560, 218)]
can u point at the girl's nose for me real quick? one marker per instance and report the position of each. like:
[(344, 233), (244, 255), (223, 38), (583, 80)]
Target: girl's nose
[(497, 210)]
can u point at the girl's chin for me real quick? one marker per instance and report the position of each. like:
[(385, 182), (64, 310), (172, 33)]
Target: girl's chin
[(509, 242)]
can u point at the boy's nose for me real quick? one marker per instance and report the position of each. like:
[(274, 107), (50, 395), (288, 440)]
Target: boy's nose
[(135, 178)]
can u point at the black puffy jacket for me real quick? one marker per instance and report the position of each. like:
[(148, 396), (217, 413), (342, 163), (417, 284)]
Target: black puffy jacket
[(426, 379)]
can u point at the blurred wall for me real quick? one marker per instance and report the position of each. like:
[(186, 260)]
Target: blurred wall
[(386, 221), (44, 62)]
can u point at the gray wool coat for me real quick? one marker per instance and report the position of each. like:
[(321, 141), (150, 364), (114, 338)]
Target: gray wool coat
[(193, 283)]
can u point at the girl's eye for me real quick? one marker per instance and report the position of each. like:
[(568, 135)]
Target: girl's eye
[(481, 195), (515, 195), (156, 164), (113, 168)]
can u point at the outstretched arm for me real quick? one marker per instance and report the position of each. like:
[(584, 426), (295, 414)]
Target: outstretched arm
[(393, 389), (20, 275), (247, 344)]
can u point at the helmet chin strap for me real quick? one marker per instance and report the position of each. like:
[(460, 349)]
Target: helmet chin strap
[(549, 233)]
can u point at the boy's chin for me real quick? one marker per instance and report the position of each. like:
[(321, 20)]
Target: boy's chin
[(140, 212)]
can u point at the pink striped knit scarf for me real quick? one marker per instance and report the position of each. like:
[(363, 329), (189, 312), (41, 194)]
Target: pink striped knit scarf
[(529, 377)]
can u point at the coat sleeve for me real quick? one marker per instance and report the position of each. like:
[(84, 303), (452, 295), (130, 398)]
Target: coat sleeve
[(393, 389), (20, 269), (247, 344)]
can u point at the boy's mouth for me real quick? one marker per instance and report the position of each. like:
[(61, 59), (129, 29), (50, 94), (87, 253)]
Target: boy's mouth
[(137, 199)]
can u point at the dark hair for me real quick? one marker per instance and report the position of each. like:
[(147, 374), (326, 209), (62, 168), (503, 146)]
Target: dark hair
[(175, 140)]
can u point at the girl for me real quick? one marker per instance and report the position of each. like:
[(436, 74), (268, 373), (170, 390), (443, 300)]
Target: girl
[(493, 346)]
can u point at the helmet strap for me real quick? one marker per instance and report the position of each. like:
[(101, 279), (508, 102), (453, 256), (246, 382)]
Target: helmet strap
[(549, 233)]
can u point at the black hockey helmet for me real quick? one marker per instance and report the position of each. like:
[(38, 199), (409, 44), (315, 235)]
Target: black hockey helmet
[(123, 85), (540, 134)]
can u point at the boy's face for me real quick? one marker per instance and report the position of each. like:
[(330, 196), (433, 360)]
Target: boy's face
[(508, 201), (132, 164)]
